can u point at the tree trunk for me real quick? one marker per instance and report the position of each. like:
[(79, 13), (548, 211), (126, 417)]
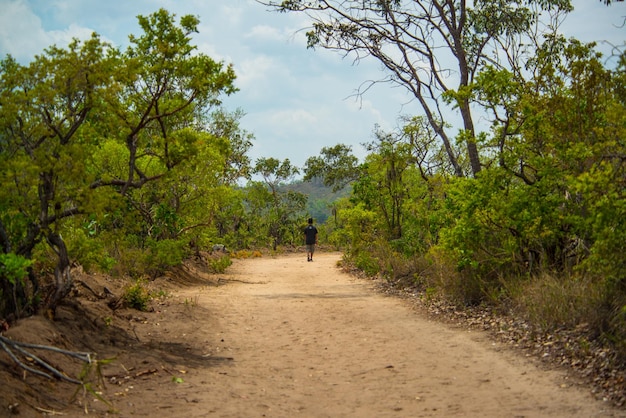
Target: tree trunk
[(472, 148), (62, 276)]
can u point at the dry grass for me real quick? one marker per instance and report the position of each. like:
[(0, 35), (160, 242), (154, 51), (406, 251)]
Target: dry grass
[(552, 302)]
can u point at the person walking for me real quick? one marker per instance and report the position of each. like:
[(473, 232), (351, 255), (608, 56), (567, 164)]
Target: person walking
[(310, 239)]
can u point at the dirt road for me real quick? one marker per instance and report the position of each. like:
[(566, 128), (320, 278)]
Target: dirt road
[(281, 337)]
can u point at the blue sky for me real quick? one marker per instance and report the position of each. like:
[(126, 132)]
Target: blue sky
[(296, 100)]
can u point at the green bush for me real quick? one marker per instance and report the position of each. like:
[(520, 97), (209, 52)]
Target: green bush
[(88, 251), (368, 264), (13, 268), (219, 265), (137, 296), (163, 254)]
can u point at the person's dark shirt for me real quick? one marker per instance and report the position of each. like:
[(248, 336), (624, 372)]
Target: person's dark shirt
[(310, 232)]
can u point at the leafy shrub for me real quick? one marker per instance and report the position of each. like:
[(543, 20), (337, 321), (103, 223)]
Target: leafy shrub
[(137, 296), (219, 265), (13, 268), (443, 277), (130, 261), (163, 254), (368, 264), (87, 251)]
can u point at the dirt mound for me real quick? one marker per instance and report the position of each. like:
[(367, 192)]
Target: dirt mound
[(94, 319)]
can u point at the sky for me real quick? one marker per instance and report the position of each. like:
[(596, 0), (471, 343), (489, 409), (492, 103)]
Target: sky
[(296, 100)]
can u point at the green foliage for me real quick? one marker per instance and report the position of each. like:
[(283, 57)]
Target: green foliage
[(357, 228), (278, 211), (336, 166), (367, 263), (134, 139), (88, 251), (13, 268), (137, 295), (162, 255), (13, 271), (220, 264)]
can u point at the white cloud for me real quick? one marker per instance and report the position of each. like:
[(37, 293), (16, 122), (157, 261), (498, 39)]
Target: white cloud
[(293, 121), (64, 37), (253, 75), (21, 32), (264, 33), (232, 14)]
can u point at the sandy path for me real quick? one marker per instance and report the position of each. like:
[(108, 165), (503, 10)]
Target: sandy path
[(284, 337)]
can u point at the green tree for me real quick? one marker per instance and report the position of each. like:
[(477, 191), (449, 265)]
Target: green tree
[(336, 166), (554, 190), (82, 125), (46, 141), (162, 87), (175, 150), (226, 125), (552, 132), (385, 187), (431, 48), (282, 209)]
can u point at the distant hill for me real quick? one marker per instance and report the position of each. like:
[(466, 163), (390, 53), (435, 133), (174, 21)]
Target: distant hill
[(320, 197)]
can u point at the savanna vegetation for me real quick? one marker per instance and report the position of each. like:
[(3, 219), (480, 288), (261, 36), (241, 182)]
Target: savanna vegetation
[(520, 203), (125, 161)]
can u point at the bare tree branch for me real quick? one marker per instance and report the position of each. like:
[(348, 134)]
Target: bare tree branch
[(9, 345)]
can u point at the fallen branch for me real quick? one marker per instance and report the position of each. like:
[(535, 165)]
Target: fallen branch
[(105, 292), (49, 412), (9, 345)]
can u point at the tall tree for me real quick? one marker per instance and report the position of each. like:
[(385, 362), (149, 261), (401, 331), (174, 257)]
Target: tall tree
[(45, 143), (162, 87), (61, 114), (430, 48)]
